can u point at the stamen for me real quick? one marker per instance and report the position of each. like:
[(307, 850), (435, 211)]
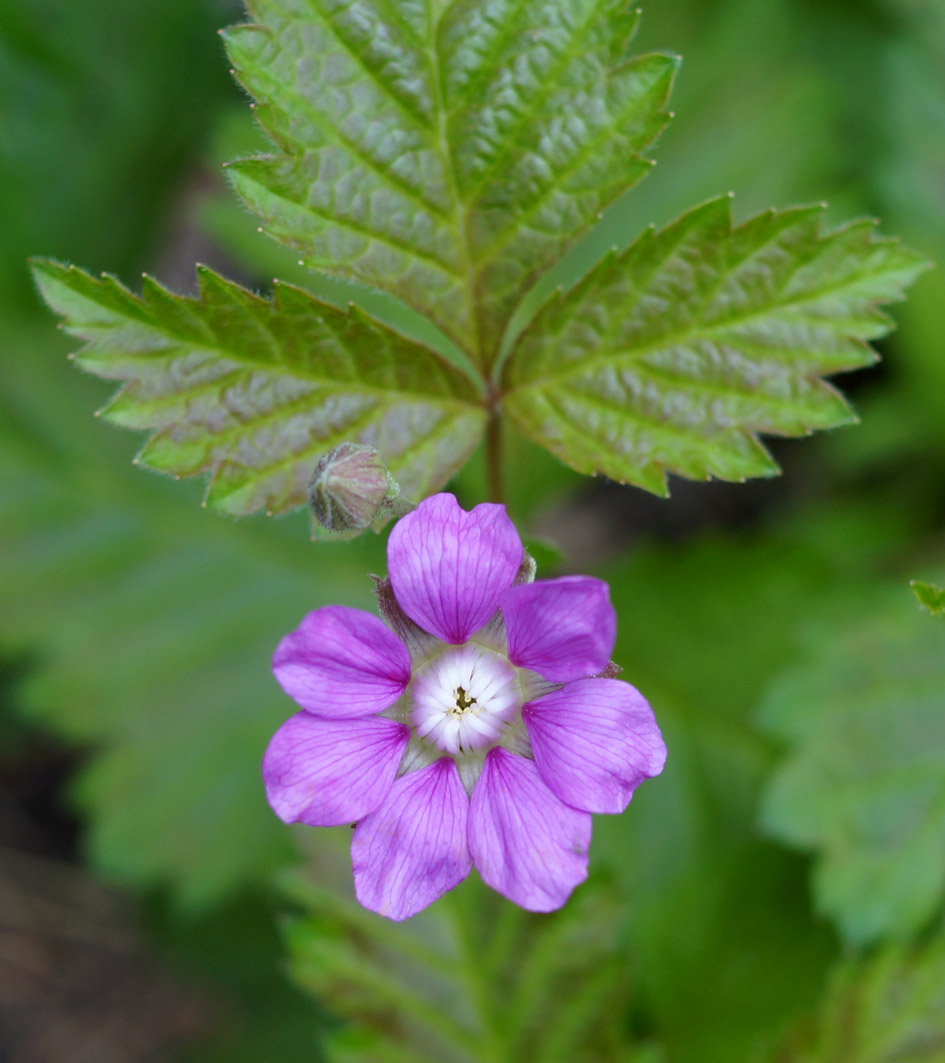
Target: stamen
[(463, 703), (464, 698)]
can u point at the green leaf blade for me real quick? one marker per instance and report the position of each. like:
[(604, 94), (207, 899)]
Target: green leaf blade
[(547, 129), (448, 157), (887, 1008), (362, 188), (863, 784), (930, 597), (674, 355), (253, 390)]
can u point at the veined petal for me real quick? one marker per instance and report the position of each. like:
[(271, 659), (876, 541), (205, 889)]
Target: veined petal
[(449, 568), (563, 628), (594, 742), (413, 848), (526, 843), (329, 772), (342, 663)]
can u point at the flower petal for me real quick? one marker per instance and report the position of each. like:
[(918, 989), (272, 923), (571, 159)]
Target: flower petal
[(449, 568), (563, 628), (525, 842), (594, 741), (413, 848), (342, 663), (329, 772)]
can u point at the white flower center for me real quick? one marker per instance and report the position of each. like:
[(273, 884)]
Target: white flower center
[(462, 700)]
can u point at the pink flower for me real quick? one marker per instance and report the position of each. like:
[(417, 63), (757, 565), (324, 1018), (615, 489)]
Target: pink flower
[(479, 727)]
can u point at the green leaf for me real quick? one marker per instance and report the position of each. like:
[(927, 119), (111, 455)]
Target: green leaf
[(888, 1009), (148, 628), (708, 901), (675, 354), (930, 597), (448, 153), (863, 784), (254, 391), (473, 979)]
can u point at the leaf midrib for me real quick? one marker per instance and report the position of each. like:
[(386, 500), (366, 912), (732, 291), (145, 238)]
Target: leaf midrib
[(460, 209), (448, 372), (548, 89)]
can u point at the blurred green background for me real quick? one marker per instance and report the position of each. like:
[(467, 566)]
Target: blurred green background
[(789, 862)]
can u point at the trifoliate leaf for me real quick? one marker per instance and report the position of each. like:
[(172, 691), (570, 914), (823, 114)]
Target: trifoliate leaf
[(255, 391), (930, 597), (888, 1009), (864, 782), (448, 153), (675, 354)]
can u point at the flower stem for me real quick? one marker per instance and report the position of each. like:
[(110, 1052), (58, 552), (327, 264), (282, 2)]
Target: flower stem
[(494, 476)]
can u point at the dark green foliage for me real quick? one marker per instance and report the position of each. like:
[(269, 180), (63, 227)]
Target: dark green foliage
[(889, 1008), (863, 783)]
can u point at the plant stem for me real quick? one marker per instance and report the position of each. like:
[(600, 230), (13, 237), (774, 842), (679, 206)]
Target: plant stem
[(494, 479)]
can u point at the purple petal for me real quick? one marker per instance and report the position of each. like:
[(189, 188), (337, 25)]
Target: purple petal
[(594, 742), (563, 629), (329, 772), (342, 663), (449, 568), (413, 848), (526, 843)]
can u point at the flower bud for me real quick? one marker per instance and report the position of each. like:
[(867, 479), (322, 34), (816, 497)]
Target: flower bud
[(351, 488)]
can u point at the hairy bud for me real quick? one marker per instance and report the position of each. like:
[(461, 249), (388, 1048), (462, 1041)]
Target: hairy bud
[(351, 488)]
